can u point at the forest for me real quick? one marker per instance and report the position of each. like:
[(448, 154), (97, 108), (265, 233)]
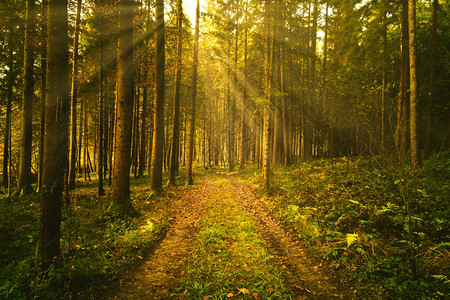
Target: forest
[(225, 149)]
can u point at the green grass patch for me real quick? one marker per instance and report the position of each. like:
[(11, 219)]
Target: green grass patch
[(95, 247), (382, 225), (229, 260)]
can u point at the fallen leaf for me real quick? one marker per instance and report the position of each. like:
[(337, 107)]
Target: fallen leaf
[(104, 287), (244, 291), (255, 295), (185, 292), (230, 295), (205, 298)]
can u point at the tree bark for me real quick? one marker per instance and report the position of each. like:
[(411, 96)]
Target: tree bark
[(414, 139), (244, 138), (173, 169), (101, 100), (190, 179), (383, 87), (7, 140), (158, 133), (57, 133), (74, 94), (432, 79), (267, 92), (403, 105), (25, 179), (143, 138), (121, 203)]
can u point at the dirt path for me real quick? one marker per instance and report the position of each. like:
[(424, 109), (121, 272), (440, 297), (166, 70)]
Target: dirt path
[(301, 273), (158, 276)]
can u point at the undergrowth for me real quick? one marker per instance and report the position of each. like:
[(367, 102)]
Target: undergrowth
[(229, 259), (95, 247), (382, 225)]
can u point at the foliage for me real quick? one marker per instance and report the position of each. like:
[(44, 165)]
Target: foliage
[(382, 225), (96, 247)]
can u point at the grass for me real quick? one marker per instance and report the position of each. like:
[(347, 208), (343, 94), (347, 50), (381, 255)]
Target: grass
[(95, 247), (382, 225), (229, 259)]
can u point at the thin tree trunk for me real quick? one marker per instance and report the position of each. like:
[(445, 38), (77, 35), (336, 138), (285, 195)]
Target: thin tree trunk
[(234, 99), (267, 88), (135, 148), (383, 87), (158, 133), (7, 140), (27, 106), (404, 86), (415, 151), (73, 137), (57, 133), (432, 79), (244, 138), (173, 169), (101, 95), (190, 179), (43, 92), (121, 202), (143, 127)]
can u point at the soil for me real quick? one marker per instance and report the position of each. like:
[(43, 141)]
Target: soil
[(158, 275)]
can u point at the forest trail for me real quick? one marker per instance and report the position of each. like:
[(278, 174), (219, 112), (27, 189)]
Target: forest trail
[(159, 276)]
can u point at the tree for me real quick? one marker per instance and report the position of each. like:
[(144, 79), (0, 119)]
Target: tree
[(415, 151), (74, 95), (101, 100), (244, 141), (432, 91), (121, 202), (56, 132), (173, 169), (27, 106), (43, 92), (402, 108), (190, 179), (7, 140), (267, 88), (158, 119)]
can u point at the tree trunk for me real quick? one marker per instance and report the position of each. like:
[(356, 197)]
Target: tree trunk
[(27, 106), (43, 92), (173, 170), (432, 76), (244, 138), (403, 105), (101, 100), (143, 127), (383, 87), (57, 132), (190, 179), (158, 133), (121, 203), (7, 140), (414, 139), (73, 137), (235, 95), (267, 92)]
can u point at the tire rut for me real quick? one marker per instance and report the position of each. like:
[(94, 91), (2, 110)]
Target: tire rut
[(158, 276), (303, 277)]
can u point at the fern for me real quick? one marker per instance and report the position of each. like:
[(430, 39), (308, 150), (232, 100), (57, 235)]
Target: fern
[(351, 238)]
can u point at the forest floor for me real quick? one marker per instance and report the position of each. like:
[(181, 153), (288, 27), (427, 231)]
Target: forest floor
[(160, 275), (350, 228)]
